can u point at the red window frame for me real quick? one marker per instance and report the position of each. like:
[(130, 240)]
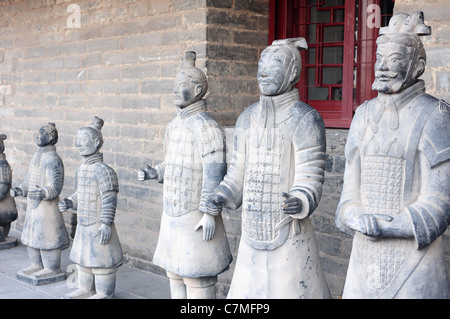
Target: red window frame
[(336, 113)]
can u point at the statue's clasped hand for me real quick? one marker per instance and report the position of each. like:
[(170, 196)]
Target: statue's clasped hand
[(64, 205), (292, 205), (147, 173), (16, 191), (370, 224), (36, 193), (214, 204)]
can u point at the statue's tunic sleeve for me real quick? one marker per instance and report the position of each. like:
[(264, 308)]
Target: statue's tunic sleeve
[(109, 187), (430, 213), (231, 188), (54, 176), (210, 140), (351, 191), (309, 144)]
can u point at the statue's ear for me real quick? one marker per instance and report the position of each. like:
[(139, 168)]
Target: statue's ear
[(97, 142), (198, 90), (420, 68), (294, 73)]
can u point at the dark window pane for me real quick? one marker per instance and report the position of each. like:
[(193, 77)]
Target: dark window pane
[(332, 75), (333, 33), (317, 93), (333, 55), (311, 55)]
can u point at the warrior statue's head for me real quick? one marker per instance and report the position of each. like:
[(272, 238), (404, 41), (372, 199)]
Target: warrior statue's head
[(89, 138), (47, 135), (190, 83), (401, 57), (2, 145), (280, 65)]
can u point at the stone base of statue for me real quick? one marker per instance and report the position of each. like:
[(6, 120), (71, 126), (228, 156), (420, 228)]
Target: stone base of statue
[(40, 277), (8, 243)]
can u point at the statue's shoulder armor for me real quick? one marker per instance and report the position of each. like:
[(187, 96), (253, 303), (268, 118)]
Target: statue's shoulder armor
[(208, 133), (435, 139), (107, 178)]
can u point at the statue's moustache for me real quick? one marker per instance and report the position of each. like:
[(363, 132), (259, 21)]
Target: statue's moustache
[(385, 74)]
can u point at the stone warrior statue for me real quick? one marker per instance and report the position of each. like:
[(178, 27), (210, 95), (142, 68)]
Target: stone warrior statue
[(96, 248), (276, 176), (396, 193), (8, 209), (44, 232), (194, 165)]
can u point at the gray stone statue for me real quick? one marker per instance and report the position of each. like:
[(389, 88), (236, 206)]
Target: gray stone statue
[(8, 209), (396, 193), (44, 232), (194, 165), (276, 176), (96, 247)]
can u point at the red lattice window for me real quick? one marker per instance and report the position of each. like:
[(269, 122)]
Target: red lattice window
[(337, 71)]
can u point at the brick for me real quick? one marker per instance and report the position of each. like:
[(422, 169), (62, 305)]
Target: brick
[(120, 29), (104, 45), (103, 73), (72, 75), (157, 87), (140, 102), (114, 58), (140, 72)]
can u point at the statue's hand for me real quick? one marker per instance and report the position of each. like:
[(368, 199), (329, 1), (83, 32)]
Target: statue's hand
[(147, 173), (16, 191), (209, 226), (64, 205), (214, 204), (36, 193), (369, 224), (105, 234), (292, 205)]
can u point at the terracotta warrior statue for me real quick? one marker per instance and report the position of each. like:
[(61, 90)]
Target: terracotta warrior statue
[(396, 193), (192, 245), (44, 231), (276, 176), (8, 209), (96, 248)]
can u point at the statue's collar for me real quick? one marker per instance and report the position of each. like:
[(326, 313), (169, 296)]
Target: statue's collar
[(283, 100), (2, 157), (402, 98), (194, 108), (48, 148), (92, 159)]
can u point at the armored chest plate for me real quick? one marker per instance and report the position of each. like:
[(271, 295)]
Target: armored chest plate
[(183, 176)]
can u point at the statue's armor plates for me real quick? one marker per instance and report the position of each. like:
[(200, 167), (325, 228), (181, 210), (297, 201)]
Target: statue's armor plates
[(382, 184), (183, 175), (261, 196), (92, 181), (35, 177), (382, 193)]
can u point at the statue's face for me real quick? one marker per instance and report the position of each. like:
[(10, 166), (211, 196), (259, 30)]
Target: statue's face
[(272, 71), (86, 143), (43, 138), (185, 92), (393, 68)]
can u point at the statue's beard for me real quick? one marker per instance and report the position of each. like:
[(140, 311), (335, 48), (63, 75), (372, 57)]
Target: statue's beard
[(388, 82)]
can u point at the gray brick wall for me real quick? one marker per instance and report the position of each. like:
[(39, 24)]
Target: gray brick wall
[(120, 65)]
